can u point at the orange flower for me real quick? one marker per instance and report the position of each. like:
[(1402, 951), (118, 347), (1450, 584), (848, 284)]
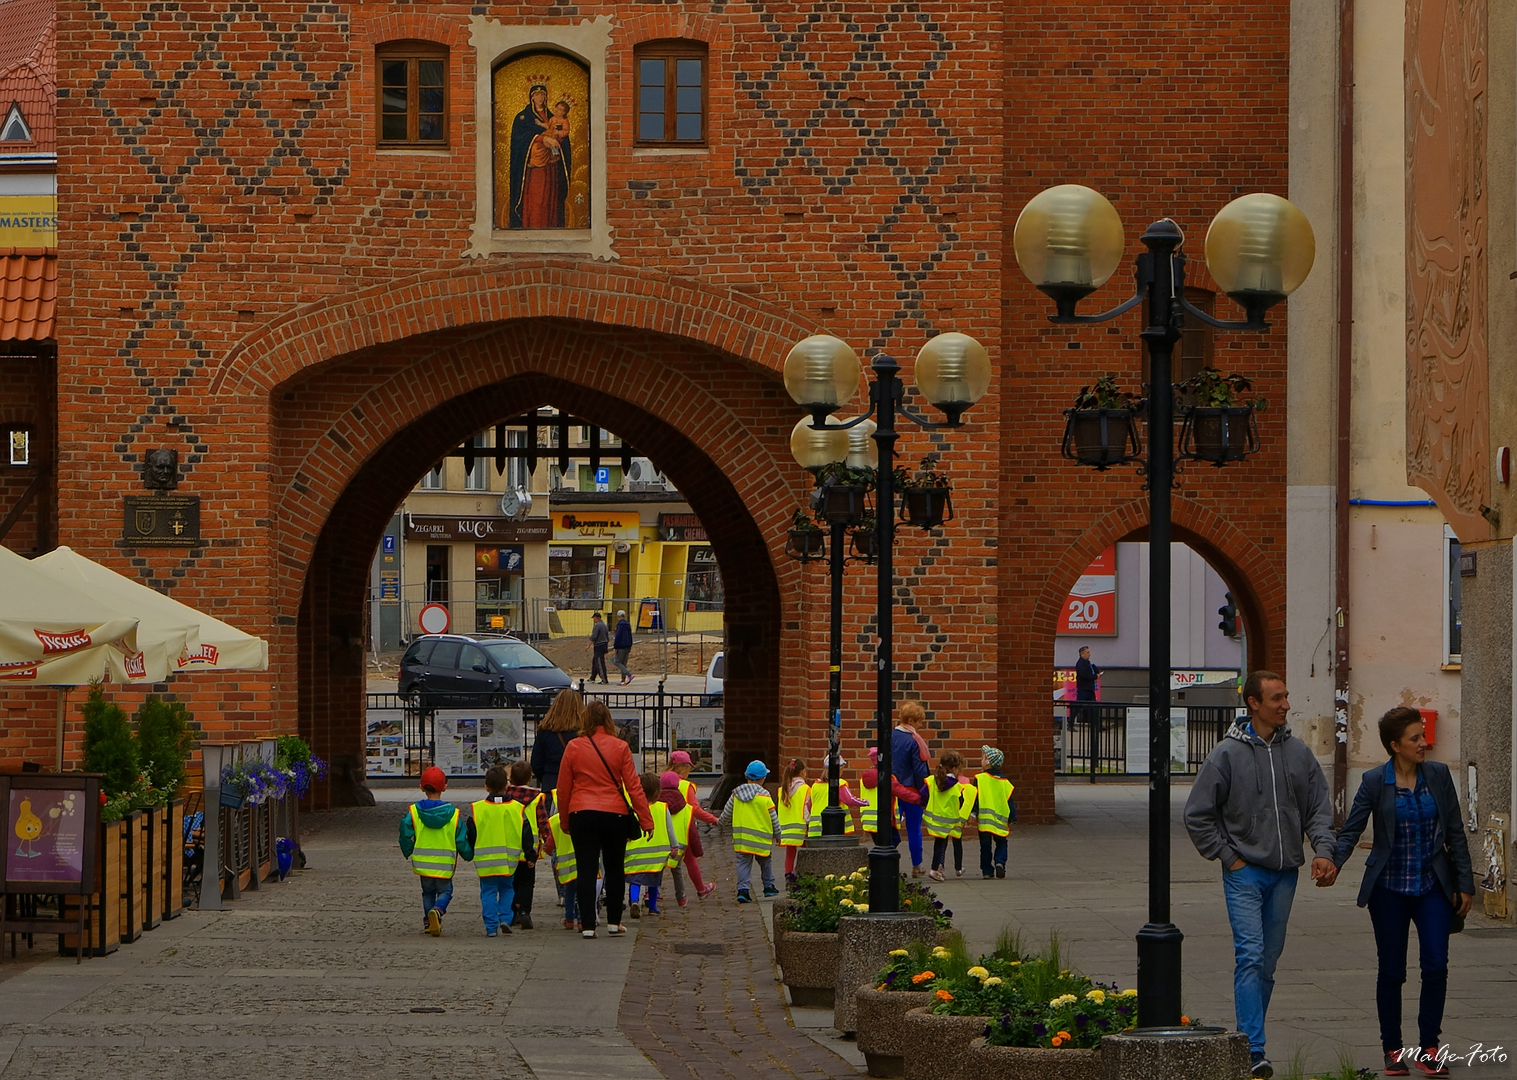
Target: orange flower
[(917, 980), (880, 987), (1065, 1035), (944, 995), (1184, 1019), (1057, 1041)]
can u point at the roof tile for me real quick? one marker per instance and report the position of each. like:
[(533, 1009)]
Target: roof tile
[(28, 293)]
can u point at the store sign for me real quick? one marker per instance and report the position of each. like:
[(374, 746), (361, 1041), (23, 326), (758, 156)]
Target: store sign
[(436, 527), (29, 221), (1091, 607), (680, 527), (702, 558), (595, 525)]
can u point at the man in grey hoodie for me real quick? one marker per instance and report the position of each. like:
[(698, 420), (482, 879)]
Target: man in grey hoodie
[(1259, 792)]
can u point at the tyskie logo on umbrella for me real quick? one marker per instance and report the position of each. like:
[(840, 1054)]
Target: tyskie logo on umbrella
[(67, 641)]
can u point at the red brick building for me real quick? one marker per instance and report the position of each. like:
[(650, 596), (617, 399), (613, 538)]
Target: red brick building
[(291, 255)]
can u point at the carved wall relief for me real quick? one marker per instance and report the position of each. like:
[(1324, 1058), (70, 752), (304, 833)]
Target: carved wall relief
[(1447, 388)]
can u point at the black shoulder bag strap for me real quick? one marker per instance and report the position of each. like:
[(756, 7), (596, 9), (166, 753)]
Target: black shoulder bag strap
[(634, 827)]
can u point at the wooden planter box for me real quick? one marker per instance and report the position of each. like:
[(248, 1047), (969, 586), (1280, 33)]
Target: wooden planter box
[(881, 1015), (937, 1047), (154, 855), (1033, 1063), (104, 934), (173, 860), (133, 854), (809, 965)]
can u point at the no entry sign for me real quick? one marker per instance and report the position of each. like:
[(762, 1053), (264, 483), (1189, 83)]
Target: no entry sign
[(434, 619)]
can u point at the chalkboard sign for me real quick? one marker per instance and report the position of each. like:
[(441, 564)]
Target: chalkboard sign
[(52, 824)]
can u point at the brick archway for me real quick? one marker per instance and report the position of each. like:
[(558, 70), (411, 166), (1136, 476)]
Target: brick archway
[(357, 432)]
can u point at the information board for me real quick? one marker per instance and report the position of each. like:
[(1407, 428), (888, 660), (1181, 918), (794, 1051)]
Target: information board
[(471, 741)]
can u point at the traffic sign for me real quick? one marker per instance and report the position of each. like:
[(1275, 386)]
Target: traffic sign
[(434, 619)]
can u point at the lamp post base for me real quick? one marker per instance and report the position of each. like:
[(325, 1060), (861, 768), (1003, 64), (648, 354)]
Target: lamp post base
[(834, 821), (822, 855), (884, 880), (1159, 975)]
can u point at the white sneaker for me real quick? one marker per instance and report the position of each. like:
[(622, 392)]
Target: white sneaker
[(615, 930), (587, 933)]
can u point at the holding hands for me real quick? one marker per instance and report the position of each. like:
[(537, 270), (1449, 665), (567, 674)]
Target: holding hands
[(1324, 872)]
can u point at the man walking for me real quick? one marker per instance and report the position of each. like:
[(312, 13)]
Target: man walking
[(623, 646), (600, 642), (1258, 793), (1086, 674)]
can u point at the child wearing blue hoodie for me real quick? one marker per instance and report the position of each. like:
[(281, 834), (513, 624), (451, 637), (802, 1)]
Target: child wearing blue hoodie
[(755, 830), (433, 835)]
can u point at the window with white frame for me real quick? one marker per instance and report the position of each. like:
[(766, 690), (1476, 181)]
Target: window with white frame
[(431, 480), (477, 478), (1452, 599), (516, 468)]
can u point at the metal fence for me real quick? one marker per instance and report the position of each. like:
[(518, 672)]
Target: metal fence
[(1111, 739), (655, 723)]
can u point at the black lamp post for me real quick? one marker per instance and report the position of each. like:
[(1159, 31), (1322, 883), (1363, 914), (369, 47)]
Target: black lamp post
[(1259, 248), (821, 374)]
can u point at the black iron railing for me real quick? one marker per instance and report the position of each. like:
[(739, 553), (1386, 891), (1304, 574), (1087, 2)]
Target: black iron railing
[(1092, 738)]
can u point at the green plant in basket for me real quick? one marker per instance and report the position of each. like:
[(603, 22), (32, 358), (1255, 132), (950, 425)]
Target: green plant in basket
[(109, 748)]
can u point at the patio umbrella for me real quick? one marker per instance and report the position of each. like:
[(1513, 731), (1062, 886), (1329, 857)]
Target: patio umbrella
[(211, 645)]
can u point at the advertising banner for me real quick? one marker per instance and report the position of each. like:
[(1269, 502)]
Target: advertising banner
[(1091, 608), (29, 221), (595, 525), (46, 827)]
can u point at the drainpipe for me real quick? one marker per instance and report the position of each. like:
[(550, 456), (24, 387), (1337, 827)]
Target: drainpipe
[(1345, 400)]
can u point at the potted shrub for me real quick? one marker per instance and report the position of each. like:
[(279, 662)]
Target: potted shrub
[(840, 493), (806, 541), (925, 495), (1219, 425), (806, 939), (1101, 430), (865, 539), (165, 741), (900, 986)]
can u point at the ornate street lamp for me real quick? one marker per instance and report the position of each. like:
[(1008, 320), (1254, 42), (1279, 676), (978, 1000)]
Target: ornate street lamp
[(822, 375), (1259, 248)]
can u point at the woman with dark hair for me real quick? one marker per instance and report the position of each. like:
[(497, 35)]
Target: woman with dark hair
[(598, 790), (1418, 872)]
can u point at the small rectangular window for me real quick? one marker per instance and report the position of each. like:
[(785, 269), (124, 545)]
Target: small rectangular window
[(432, 479), (478, 476), (1453, 599), (412, 94), (671, 93)]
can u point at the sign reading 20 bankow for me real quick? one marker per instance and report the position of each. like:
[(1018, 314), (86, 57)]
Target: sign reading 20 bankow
[(1091, 608)]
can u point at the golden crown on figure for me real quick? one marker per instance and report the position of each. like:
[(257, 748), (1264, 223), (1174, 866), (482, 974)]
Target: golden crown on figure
[(534, 81), (562, 99)]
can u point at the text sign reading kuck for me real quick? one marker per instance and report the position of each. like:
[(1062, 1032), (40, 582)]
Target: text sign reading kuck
[(1091, 607), (162, 521)]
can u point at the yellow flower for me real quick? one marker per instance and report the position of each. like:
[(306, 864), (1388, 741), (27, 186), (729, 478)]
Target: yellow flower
[(1098, 996), (1129, 993), (979, 972), (1064, 974), (862, 909), (830, 877), (858, 875), (939, 952), (899, 952), (994, 980), (840, 888), (1063, 1000), (846, 902)]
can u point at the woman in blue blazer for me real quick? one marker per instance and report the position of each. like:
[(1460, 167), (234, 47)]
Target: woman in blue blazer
[(1418, 872)]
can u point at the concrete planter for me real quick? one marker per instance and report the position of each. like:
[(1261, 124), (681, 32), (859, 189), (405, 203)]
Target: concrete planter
[(878, 1019), (808, 966), (937, 1047), (1034, 1063), (1207, 1053), (864, 944)]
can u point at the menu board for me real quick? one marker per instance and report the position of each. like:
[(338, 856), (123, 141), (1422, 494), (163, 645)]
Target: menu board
[(44, 836), (471, 741)]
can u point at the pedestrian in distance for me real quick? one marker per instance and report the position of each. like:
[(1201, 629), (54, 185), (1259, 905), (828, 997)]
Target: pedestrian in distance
[(755, 830), (623, 646), (681, 765), (559, 724), (534, 805), (1259, 792), (600, 793), (792, 808), (909, 763), (1418, 872), (649, 855), (496, 835), (434, 836), (994, 811), (682, 813), (945, 813), (600, 643), (1087, 676)]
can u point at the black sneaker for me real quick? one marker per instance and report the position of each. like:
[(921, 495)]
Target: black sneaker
[(770, 890), (1000, 869), (523, 920), (505, 928), (1261, 1068), (1394, 1066), (744, 896)]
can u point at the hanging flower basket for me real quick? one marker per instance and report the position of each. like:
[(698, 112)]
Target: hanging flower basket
[(1219, 434), (865, 544), (843, 504), (806, 545), (232, 796), (926, 507), (1101, 438)]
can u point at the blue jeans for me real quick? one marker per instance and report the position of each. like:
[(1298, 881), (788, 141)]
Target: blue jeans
[(745, 870), (1258, 907), (987, 866), (912, 813), (571, 902), (495, 894), (435, 893), (1392, 914)]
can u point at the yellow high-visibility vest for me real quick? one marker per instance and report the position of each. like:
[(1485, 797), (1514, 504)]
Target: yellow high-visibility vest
[(969, 795), (752, 829), (650, 855), (688, 790), (564, 865), (792, 817), (994, 810), (940, 817), (436, 850), (497, 837), (819, 797)]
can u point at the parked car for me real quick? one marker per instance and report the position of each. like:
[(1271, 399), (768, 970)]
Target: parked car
[(462, 671), (714, 676)]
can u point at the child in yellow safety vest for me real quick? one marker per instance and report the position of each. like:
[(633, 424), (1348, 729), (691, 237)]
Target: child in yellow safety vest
[(755, 830), (535, 819), (682, 813), (949, 802), (648, 856), (496, 833), (792, 807), (433, 836), (994, 812), (558, 843), (680, 764), (820, 799)]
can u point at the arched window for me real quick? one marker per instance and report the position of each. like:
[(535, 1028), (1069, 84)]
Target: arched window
[(671, 93), (411, 94)]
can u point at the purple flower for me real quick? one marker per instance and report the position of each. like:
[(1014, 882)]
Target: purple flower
[(1123, 1009), (1102, 1023), (1039, 1030), (1081, 1019), (937, 904)]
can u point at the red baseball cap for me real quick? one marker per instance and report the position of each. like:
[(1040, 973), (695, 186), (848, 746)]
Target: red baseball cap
[(434, 778)]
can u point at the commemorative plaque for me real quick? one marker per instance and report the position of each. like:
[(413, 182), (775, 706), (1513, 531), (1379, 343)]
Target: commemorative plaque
[(162, 521)]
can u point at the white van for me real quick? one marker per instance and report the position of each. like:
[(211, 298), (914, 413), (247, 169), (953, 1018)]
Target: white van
[(714, 676)]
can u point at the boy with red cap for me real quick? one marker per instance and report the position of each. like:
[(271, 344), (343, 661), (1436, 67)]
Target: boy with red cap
[(433, 834)]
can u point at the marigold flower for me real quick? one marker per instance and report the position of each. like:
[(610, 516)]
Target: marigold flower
[(898, 952), (939, 952), (1129, 993), (858, 875), (880, 987), (994, 980), (1065, 1035), (1098, 996), (1184, 1019), (944, 995), (861, 909), (917, 980), (1014, 963), (978, 972), (830, 877), (1057, 1041), (845, 902)]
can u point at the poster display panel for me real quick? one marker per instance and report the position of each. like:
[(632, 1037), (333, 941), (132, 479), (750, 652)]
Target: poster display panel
[(1090, 610), (51, 824), (384, 742), (472, 741), (698, 732)]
